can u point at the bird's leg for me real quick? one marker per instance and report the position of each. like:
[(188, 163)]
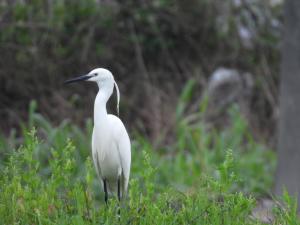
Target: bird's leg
[(119, 190), (119, 197), (105, 191)]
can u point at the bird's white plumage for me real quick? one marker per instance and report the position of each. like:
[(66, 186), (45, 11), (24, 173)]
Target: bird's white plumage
[(111, 153), (111, 150)]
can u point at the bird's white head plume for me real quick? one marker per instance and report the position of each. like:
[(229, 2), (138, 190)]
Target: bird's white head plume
[(118, 97), (103, 78)]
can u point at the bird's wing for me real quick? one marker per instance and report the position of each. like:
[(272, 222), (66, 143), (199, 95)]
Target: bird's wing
[(95, 155), (125, 158), (124, 148)]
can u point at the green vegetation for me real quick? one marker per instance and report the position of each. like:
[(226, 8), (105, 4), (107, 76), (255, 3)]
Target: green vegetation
[(50, 178)]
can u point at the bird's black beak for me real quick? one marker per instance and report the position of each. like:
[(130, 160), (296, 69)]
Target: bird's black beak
[(76, 79)]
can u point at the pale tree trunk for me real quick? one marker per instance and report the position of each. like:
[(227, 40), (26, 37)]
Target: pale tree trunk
[(288, 171)]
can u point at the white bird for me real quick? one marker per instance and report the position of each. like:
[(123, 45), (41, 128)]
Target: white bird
[(111, 149)]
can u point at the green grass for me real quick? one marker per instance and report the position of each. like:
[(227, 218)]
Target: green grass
[(204, 177)]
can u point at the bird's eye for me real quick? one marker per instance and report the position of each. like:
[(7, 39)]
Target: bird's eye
[(95, 74)]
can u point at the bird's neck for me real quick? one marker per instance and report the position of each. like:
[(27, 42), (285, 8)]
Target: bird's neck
[(100, 112)]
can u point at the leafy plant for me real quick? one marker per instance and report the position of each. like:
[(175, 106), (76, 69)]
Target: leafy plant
[(48, 180)]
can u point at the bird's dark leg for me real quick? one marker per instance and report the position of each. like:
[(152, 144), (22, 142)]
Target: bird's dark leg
[(105, 191), (119, 190), (119, 197)]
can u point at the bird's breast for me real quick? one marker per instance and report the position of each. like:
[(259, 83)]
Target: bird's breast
[(106, 156)]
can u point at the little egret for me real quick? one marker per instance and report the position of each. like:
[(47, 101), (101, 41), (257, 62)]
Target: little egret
[(110, 141)]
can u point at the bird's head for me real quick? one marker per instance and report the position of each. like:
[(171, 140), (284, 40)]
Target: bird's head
[(100, 75), (103, 78)]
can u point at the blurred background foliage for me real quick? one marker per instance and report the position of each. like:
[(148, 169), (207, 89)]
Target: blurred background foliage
[(154, 49)]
